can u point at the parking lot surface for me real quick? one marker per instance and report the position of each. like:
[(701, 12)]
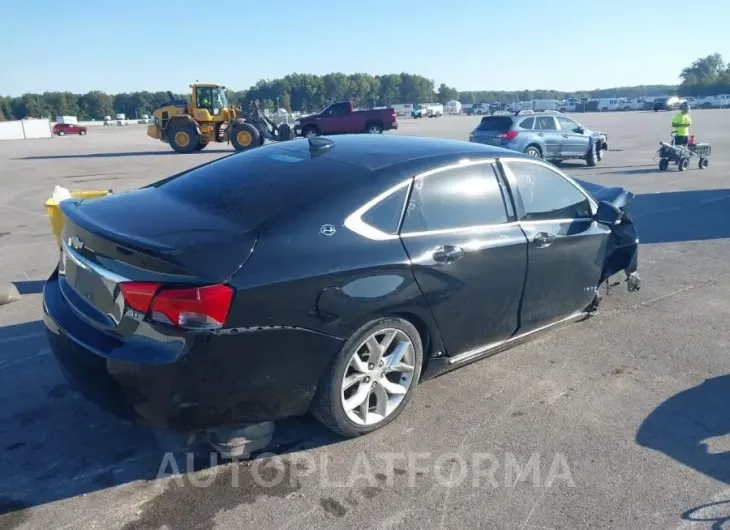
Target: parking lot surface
[(621, 421)]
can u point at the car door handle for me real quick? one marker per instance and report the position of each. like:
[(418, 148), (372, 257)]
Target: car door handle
[(543, 239), (540, 134), (447, 253), (565, 136)]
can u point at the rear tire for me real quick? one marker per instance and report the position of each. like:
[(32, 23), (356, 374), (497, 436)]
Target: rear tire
[(183, 138), (663, 164), (683, 164), (61, 133), (374, 128), (533, 150), (244, 136), (704, 162), (332, 393)]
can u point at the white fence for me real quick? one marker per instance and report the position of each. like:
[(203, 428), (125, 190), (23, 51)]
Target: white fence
[(25, 129)]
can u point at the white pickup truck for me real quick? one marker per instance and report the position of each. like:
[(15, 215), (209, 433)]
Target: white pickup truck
[(714, 102), (427, 110)]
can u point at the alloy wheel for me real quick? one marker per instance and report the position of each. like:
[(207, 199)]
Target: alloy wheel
[(378, 376)]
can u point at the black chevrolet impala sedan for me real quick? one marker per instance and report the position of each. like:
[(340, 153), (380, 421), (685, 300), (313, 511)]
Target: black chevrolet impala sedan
[(323, 275)]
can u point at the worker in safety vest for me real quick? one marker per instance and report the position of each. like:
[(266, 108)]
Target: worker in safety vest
[(681, 124)]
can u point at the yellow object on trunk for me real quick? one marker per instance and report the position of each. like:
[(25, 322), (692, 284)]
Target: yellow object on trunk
[(55, 215)]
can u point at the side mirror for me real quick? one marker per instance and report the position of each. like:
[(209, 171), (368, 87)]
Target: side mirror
[(580, 130), (607, 214)]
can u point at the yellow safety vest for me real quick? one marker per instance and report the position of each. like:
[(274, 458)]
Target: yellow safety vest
[(681, 123)]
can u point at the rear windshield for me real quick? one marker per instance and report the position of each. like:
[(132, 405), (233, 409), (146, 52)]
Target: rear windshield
[(259, 184), (495, 123)]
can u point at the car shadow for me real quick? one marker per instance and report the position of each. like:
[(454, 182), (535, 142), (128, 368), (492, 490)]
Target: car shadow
[(637, 171), (54, 444), (121, 155), (583, 166), (717, 513), (29, 286), (677, 216), (693, 428)]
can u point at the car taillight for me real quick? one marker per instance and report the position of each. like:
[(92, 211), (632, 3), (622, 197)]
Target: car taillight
[(193, 308), (393, 114), (510, 135)]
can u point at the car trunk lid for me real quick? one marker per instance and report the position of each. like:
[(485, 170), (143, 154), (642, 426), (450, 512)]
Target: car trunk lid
[(145, 235), (489, 129)]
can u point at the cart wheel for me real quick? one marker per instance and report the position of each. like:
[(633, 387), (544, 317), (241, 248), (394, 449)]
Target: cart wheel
[(683, 164), (663, 164), (704, 162)]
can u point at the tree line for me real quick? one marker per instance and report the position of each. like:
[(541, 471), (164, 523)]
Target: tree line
[(309, 93)]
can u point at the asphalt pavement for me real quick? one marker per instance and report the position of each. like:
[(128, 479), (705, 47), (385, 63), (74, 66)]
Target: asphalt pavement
[(621, 421)]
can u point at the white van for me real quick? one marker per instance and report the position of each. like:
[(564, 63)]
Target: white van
[(609, 104), (545, 104)]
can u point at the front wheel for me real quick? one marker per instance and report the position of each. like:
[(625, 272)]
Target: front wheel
[(683, 164), (592, 157), (371, 380), (244, 136), (310, 132), (704, 162), (663, 164), (284, 133), (82, 132)]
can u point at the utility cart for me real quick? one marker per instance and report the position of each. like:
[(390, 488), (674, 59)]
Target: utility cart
[(681, 154)]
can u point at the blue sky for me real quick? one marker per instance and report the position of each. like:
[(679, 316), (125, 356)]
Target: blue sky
[(80, 45)]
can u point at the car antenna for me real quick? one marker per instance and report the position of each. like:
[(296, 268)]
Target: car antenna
[(317, 143)]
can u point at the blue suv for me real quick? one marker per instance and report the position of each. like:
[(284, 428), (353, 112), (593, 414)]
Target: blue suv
[(549, 135)]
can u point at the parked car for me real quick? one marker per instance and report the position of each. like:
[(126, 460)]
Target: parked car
[(340, 118), (669, 103), (328, 274), (62, 129), (549, 135)]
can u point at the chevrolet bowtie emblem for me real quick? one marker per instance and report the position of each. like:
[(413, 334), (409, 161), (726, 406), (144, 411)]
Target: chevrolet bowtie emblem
[(75, 242)]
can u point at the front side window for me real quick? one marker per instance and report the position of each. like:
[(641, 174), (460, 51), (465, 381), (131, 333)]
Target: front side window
[(455, 198), (567, 124), (547, 195)]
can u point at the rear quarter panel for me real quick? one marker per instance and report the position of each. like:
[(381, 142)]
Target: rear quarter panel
[(328, 284)]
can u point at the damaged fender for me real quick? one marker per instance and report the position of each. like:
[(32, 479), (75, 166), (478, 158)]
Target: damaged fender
[(622, 252)]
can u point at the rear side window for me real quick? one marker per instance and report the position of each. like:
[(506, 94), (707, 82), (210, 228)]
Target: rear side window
[(250, 187), (385, 216), (455, 198), (528, 123), (547, 195), (545, 123), (495, 123)]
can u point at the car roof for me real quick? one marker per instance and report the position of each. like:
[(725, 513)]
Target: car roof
[(375, 151)]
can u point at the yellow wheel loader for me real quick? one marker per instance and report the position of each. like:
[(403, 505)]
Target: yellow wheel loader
[(190, 126)]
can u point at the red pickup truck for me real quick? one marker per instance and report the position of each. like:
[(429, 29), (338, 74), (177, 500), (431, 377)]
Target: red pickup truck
[(340, 118)]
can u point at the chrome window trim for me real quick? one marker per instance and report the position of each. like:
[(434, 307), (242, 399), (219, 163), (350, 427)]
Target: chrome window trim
[(355, 223)]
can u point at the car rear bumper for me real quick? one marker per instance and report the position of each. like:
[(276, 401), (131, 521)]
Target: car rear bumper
[(219, 380)]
